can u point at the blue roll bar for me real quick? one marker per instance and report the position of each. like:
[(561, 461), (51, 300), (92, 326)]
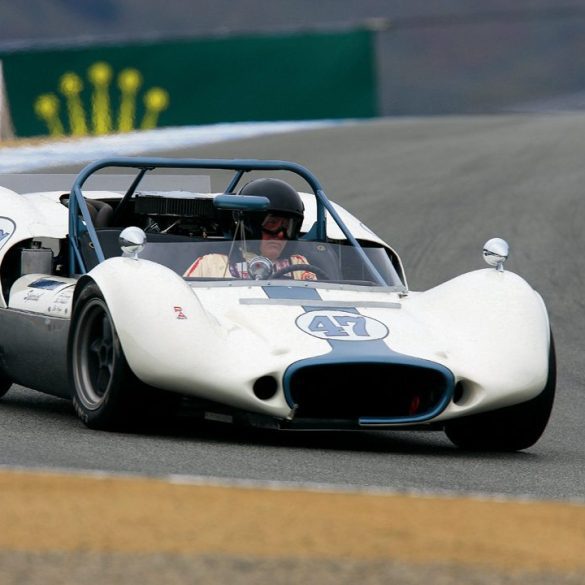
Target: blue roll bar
[(77, 203)]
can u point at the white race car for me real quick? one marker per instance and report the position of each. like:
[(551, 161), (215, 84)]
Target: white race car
[(102, 303)]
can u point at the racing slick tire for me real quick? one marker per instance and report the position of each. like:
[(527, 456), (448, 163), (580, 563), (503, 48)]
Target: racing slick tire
[(106, 393), (508, 429)]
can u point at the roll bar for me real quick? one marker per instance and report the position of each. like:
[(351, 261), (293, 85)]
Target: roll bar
[(78, 224)]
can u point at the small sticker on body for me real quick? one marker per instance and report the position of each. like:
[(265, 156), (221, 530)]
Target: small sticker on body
[(7, 227), (179, 312)]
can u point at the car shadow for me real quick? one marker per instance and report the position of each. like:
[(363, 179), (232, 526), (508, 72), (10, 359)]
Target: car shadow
[(26, 403), (397, 442), (38, 404)]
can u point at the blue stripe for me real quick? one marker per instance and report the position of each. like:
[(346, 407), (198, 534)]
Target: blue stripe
[(292, 292), (360, 352), (348, 350)]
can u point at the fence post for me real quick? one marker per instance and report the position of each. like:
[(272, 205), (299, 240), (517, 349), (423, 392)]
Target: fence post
[(6, 129)]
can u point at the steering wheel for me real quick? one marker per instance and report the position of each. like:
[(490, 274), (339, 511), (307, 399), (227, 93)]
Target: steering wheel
[(306, 267)]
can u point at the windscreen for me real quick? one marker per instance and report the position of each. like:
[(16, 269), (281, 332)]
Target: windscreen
[(259, 260)]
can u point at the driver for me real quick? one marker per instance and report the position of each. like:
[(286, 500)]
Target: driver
[(273, 229)]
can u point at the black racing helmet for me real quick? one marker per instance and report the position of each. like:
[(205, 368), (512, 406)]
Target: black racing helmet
[(284, 202)]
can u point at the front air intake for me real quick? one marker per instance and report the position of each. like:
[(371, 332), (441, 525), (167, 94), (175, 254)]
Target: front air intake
[(368, 390)]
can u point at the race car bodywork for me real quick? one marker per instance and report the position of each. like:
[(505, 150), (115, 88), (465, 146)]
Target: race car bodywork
[(95, 308)]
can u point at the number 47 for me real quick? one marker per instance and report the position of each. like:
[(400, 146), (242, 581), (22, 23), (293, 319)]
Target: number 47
[(339, 326)]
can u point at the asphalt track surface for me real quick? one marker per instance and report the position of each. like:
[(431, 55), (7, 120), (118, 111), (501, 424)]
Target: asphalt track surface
[(436, 189)]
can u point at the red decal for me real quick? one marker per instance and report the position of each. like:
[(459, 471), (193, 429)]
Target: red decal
[(180, 314)]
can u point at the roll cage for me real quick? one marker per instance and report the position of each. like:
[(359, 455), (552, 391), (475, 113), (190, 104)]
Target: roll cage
[(80, 220)]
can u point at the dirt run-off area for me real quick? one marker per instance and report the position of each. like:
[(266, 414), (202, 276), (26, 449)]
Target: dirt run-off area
[(59, 528)]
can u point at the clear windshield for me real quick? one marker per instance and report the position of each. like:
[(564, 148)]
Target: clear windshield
[(299, 260)]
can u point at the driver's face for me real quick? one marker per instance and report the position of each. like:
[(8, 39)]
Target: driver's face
[(273, 239)]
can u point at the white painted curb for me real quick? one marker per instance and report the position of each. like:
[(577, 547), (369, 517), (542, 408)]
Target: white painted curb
[(14, 159)]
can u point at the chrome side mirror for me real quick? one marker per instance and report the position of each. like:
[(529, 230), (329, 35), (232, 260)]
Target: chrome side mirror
[(132, 240), (496, 252)]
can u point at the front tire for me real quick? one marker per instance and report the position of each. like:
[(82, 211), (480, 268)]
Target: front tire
[(106, 394), (508, 429)]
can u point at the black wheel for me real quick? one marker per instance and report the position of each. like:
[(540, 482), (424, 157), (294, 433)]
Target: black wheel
[(106, 394), (322, 274), (508, 429)]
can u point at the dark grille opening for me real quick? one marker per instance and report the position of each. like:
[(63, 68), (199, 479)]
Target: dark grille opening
[(352, 391)]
